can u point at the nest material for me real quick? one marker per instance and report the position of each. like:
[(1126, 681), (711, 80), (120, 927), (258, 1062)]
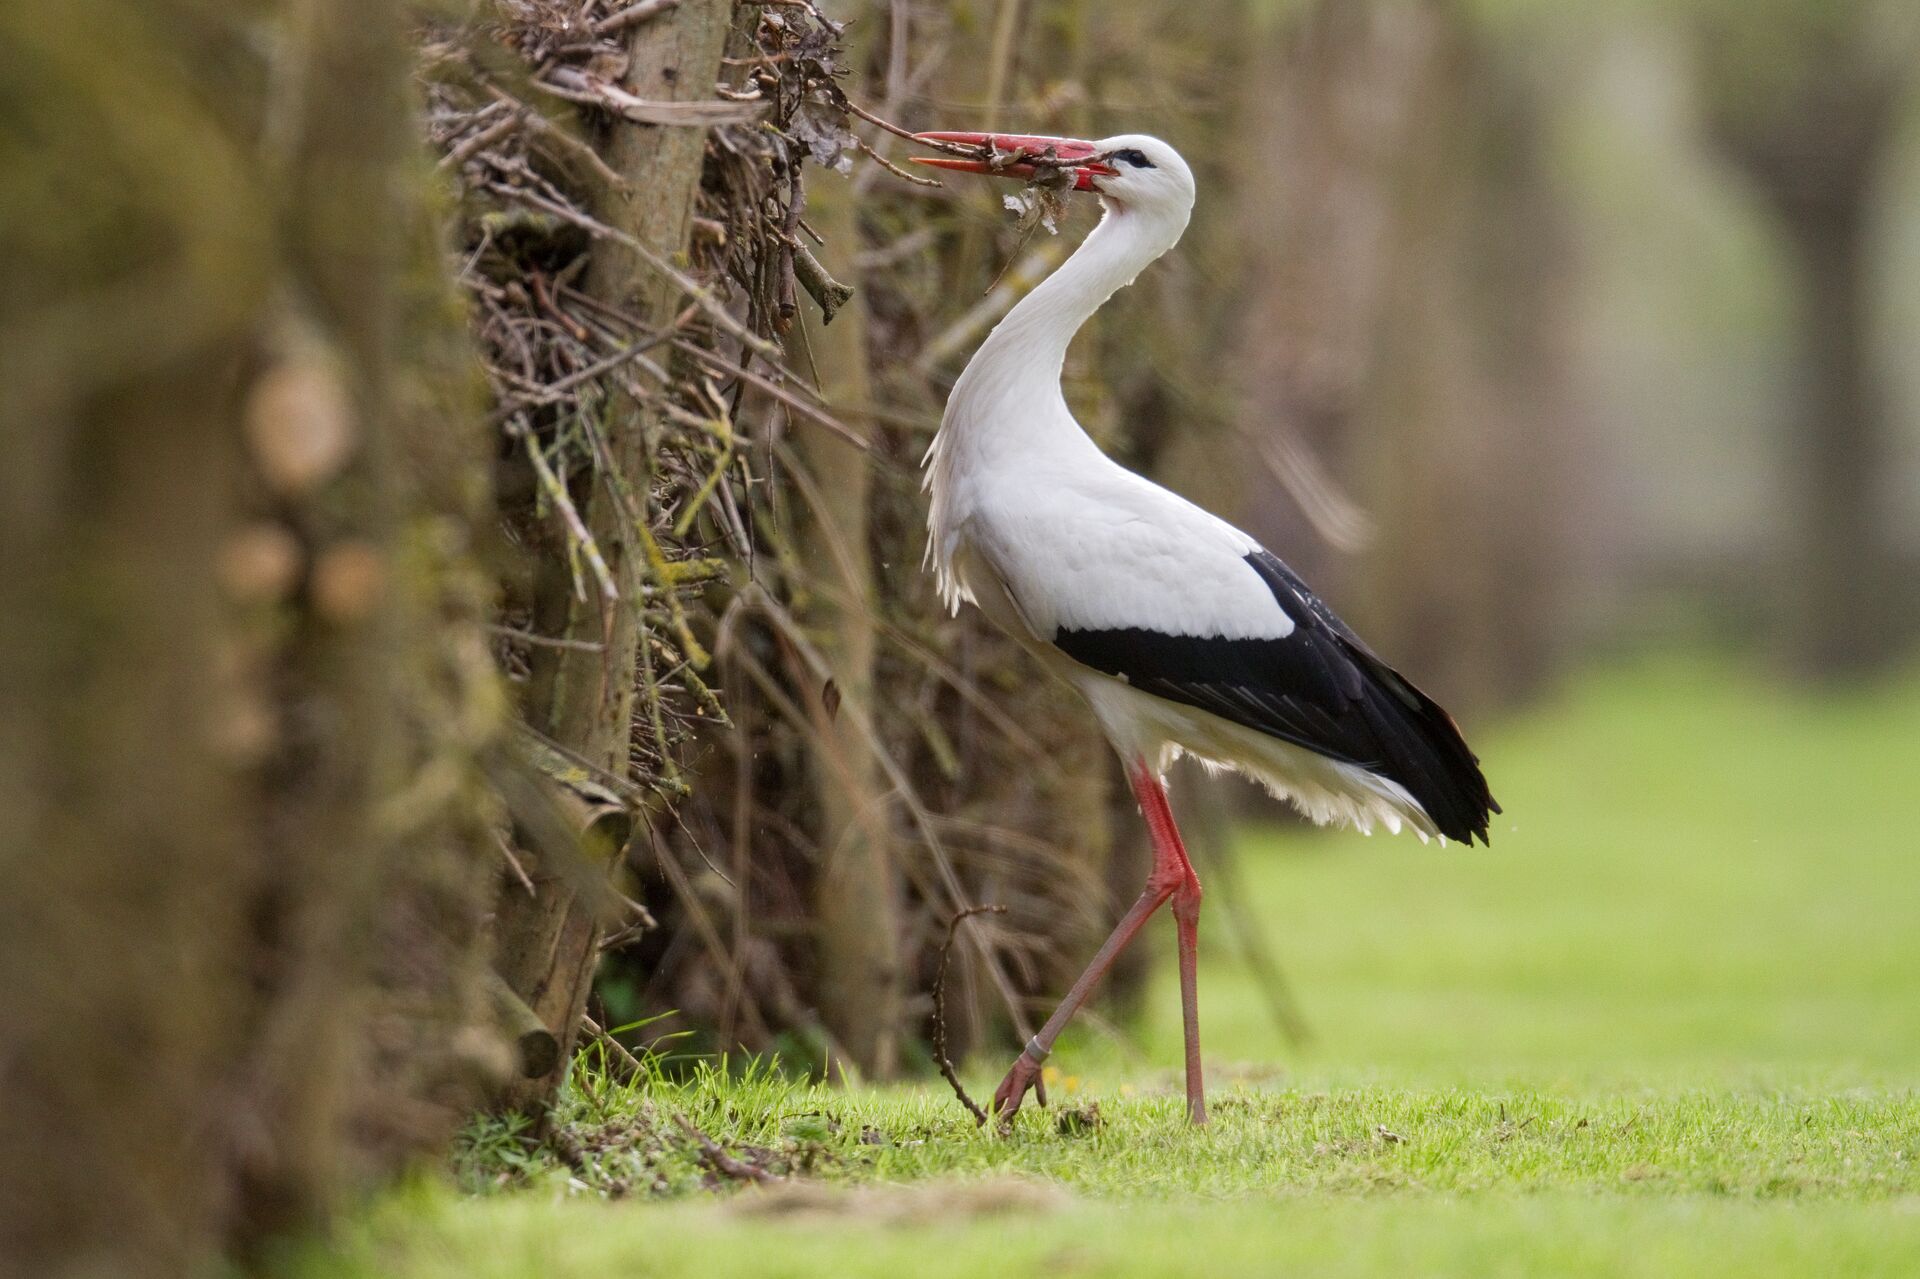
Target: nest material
[(518, 101)]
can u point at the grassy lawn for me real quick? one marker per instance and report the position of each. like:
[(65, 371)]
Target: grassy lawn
[(1669, 1024)]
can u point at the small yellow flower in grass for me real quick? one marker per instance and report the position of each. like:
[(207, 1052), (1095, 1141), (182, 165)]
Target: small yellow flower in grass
[(1127, 1090), (1050, 1076)]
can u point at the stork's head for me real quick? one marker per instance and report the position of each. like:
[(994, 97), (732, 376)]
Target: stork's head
[(1131, 170)]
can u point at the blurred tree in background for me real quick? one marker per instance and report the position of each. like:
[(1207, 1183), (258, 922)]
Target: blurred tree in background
[(1407, 345), (1804, 98)]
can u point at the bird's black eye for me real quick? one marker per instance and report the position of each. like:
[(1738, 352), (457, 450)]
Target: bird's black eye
[(1133, 156)]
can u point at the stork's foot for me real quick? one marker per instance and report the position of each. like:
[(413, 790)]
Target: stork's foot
[(1024, 1074)]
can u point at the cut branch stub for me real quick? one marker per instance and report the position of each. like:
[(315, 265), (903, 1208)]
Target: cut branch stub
[(821, 287), (536, 1049)]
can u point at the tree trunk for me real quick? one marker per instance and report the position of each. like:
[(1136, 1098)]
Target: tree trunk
[(1811, 129), (584, 698), (1840, 621), (857, 891), (230, 788)]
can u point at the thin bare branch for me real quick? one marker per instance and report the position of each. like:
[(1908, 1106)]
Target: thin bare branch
[(940, 1010), (632, 15)]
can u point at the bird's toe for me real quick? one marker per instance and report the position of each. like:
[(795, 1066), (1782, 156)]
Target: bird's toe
[(1022, 1076)]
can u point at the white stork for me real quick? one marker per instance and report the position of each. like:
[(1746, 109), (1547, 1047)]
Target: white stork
[(1182, 633)]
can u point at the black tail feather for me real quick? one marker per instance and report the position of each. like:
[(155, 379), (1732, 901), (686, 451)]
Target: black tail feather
[(1423, 750)]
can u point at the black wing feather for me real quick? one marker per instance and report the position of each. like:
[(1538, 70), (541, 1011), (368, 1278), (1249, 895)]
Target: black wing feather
[(1320, 688)]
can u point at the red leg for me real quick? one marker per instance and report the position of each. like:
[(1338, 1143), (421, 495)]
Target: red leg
[(1173, 877), (1186, 915)]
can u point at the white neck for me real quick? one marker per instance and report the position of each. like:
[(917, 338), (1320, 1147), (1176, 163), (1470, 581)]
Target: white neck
[(1006, 413), (1013, 381)]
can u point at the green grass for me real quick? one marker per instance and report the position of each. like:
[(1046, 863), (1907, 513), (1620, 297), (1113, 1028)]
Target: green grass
[(936, 1232), (1667, 1025)]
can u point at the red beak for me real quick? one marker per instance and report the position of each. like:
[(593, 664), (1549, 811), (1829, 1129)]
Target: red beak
[(1009, 155)]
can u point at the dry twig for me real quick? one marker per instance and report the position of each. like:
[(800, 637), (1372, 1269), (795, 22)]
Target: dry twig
[(622, 1062), (632, 15), (951, 1075), (722, 1162)]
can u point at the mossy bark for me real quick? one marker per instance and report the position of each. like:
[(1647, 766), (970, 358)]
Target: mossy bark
[(583, 698), (244, 687)]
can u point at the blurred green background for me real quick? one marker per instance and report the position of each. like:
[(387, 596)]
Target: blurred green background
[(1700, 881)]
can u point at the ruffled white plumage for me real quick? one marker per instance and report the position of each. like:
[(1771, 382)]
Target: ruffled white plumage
[(1032, 523)]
